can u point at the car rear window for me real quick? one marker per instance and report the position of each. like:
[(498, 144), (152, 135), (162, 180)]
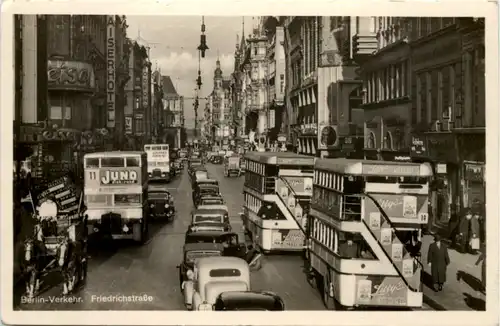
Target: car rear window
[(225, 272)]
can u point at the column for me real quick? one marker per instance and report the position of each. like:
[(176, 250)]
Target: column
[(261, 124)]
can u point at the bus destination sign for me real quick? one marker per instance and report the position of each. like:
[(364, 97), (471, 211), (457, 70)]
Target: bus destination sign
[(391, 169)]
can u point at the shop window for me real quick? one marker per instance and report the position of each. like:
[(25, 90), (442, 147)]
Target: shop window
[(353, 246)]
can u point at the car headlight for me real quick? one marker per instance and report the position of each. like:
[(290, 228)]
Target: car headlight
[(167, 206)]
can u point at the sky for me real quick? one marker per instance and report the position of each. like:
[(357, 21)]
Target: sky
[(173, 41)]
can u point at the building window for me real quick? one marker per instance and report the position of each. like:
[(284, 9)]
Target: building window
[(446, 99), (255, 50), (433, 91), (422, 97), (139, 125), (371, 140), (388, 141)]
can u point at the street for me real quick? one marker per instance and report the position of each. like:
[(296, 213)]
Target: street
[(149, 272)]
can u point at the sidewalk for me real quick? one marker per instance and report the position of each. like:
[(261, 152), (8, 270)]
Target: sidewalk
[(462, 289)]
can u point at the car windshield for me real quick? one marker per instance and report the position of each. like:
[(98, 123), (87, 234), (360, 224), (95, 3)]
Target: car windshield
[(215, 201), (158, 195), (207, 218), (203, 238)]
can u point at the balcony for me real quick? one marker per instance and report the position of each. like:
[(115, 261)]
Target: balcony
[(364, 45)]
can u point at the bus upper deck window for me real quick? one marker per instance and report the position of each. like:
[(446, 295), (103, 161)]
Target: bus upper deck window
[(112, 162), (92, 163), (133, 161), (156, 148), (164, 148)]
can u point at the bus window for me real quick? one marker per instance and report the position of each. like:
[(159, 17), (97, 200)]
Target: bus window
[(164, 148), (133, 161), (152, 163), (92, 163), (112, 162), (156, 148), (271, 171), (353, 185), (147, 148), (353, 246)]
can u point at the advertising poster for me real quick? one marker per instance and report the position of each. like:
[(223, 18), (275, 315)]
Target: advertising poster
[(397, 252), (410, 207), (284, 192), (277, 240), (308, 185), (386, 236), (291, 202), (128, 125), (364, 291), (407, 269), (292, 239), (375, 220), (389, 291), (298, 212)]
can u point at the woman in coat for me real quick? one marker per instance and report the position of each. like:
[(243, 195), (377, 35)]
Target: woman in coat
[(474, 233), (438, 261), (464, 231)]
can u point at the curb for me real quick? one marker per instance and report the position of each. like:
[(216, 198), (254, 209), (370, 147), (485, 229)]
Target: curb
[(434, 304)]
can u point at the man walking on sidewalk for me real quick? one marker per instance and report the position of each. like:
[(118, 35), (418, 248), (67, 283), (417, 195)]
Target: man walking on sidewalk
[(438, 260)]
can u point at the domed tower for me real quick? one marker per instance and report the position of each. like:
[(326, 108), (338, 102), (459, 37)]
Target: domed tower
[(217, 75)]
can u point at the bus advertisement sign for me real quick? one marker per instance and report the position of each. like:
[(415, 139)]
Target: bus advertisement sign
[(287, 239), (300, 185), (414, 207), (123, 176), (381, 291), (391, 169)]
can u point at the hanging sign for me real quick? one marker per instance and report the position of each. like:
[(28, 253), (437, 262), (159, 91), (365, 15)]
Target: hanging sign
[(111, 73)]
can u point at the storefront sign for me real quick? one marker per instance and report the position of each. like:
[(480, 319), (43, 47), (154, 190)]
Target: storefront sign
[(118, 177), (111, 77), (70, 75), (145, 87), (474, 172), (418, 147), (441, 147), (128, 125)]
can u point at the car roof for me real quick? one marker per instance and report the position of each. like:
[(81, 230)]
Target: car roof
[(205, 211), (203, 246), (220, 262), (249, 299), (206, 180), (202, 234)]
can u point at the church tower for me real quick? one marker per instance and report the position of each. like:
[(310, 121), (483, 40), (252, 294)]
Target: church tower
[(217, 75)]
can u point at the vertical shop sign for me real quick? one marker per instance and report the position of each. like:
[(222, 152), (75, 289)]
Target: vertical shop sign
[(145, 87), (111, 77)]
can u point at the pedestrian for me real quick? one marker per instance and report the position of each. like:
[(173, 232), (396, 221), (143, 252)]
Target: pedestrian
[(474, 233), (464, 233), (438, 261)]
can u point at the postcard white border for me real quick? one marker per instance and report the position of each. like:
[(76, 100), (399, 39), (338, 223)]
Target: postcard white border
[(251, 8)]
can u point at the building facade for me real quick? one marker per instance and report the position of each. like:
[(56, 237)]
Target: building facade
[(424, 99), (220, 104), (173, 114), (275, 80)]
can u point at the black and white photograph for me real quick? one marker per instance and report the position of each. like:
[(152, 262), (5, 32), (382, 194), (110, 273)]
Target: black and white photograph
[(248, 163)]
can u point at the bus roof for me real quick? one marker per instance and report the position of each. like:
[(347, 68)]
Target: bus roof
[(280, 158), (113, 154), (373, 168)]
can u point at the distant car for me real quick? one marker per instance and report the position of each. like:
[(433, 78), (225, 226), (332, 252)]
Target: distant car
[(217, 159), (248, 300), (161, 203)]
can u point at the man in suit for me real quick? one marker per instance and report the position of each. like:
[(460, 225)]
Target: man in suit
[(438, 261)]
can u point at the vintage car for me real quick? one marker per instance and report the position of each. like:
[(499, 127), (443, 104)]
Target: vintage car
[(217, 159), (232, 166), (199, 174), (212, 276), (203, 181), (209, 219), (202, 190), (211, 200), (249, 300), (161, 203), (194, 162), (243, 166), (193, 251)]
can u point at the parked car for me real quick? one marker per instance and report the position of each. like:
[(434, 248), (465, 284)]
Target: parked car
[(161, 203), (202, 190), (212, 276), (249, 300)]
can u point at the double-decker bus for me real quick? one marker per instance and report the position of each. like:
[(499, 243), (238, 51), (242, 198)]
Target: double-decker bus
[(116, 194), (158, 161), (277, 193), (363, 232)]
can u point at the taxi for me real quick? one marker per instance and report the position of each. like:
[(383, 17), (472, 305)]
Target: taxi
[(212, 276)]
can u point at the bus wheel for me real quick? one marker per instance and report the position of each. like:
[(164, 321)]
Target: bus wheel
[(327, 299)]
